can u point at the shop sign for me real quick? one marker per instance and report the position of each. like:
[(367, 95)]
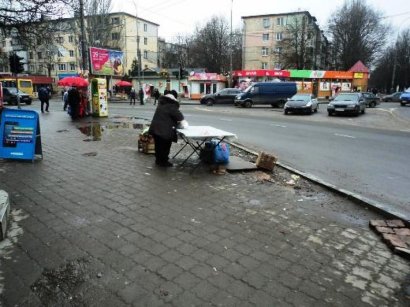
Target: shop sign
[(358, 75), (19, 134), (262, 73)]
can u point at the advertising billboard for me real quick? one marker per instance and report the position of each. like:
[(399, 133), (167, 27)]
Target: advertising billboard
[(106, 62)]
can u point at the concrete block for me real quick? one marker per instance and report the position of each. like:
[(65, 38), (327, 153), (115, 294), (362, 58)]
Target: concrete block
[(384, 229), (4, 213), (394, 241), (402, 231), (395, 223), (380, 223), (266, 161)]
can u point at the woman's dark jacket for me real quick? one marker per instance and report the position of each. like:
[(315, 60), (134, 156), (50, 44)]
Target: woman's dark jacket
[(166, 118)]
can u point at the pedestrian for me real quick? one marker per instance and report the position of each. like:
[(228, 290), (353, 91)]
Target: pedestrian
[(141, 96), (65, 99), (156, 96), (74, 100), (44, 97), (163, 127), (133, 96)]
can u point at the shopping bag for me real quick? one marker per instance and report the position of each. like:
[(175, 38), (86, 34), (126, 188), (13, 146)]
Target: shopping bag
[(221, 153)]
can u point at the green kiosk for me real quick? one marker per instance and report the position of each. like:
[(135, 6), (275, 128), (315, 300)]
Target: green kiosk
[(99, 97)]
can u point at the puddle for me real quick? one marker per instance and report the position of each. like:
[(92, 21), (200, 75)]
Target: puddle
[(95, 130)]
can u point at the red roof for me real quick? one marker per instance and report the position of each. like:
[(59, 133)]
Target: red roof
[(359, 67)]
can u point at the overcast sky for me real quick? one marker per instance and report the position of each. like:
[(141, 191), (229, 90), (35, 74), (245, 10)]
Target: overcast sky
[(181, 16)]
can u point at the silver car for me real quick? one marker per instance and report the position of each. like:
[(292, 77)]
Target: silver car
[(347, 103), (302, 103)]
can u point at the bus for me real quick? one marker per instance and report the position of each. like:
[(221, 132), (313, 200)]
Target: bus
[(24, 85)]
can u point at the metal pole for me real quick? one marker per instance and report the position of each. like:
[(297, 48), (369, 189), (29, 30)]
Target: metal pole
[(138, 47), (230, 53), (83, 47)]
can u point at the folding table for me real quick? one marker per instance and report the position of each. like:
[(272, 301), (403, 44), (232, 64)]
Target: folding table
[(196, 136)]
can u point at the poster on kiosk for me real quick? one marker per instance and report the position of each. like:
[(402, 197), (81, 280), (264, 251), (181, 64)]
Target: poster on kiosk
[(99, 97)]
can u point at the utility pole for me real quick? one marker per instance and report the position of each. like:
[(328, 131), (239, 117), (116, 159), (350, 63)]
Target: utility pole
[(83, 47), (230, 53), (138, 47)]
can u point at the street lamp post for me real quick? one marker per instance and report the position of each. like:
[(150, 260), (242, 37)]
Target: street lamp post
[(395, 57), (230, 52)]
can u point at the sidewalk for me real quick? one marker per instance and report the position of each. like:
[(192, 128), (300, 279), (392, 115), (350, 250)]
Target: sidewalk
[(97, 224)]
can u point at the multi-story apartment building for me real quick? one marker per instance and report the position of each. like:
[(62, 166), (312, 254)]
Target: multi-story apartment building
[(59, 54), (269, 42)]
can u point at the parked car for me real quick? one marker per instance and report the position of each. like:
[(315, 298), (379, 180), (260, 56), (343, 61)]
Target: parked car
[(352, 103), (404, 98), (11, 94), (395, 97), (226, 95), (371, 99), (304, 103), (273, 93)]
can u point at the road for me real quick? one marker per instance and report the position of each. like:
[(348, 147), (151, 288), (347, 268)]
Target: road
[(367, 155)]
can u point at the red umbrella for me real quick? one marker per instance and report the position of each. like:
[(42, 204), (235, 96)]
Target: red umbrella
[(73, 81), (123, 83)]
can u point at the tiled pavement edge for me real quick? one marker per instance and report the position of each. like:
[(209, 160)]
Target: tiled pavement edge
[(114, 230)]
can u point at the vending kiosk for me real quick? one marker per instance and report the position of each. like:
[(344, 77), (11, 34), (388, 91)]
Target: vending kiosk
[(99, 97)]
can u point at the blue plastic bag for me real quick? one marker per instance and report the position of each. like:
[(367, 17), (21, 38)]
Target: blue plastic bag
[(221, 153)]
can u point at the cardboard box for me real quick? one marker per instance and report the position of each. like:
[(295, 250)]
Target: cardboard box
[(146, 144), (266, 161)]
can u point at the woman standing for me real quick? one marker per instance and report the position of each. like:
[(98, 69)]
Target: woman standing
[(163, 127)]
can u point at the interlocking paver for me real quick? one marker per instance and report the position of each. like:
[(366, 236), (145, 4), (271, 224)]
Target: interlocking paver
[(165, 236)]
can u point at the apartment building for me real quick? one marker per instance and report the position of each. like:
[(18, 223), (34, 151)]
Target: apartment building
[(59, 54), (269, 41)]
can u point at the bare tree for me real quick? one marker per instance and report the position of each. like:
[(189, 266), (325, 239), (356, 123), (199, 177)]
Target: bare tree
[(357, 33), (22, 18)]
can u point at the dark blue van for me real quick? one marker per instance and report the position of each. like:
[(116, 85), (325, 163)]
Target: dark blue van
[(273, 93)]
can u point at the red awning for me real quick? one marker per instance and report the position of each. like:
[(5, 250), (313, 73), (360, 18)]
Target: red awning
[(261, 73)]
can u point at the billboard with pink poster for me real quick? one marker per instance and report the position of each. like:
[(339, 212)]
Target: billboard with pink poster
[(106, 62)]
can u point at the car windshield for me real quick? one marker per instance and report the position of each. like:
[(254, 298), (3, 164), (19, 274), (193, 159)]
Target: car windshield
[(346, 97), (300, 98), (14, 90)]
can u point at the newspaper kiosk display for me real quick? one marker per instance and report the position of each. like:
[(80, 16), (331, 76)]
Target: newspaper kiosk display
[(99, 97)]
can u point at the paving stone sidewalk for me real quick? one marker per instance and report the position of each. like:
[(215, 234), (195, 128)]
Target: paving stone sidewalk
[(95, 223)]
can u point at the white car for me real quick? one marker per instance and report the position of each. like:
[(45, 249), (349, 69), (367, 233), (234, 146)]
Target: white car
[(302, 103)]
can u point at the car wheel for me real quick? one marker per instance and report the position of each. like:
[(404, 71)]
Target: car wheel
[(372, 104), (364, 110), (402, 104), (310, 111), (329, 113), (316, 109), (285, 112), (281, 104), (209, 102), (248, 104)]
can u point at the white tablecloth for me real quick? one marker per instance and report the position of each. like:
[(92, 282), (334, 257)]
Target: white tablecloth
[(205, 132)]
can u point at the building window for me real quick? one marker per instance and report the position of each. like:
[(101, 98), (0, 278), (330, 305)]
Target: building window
[(264, 65), (279, 36), (145, 27), (71, 53), (115, 36), (70, 39), (115, 20), (145, 41), (72, 66), (265, 51), (60, 40), (59, 54), (39, 55), (62, 67), (277, 65), (266, 22), (32, 68), (265, 37), (145, 54), (30, 55), (280, 21), (278, 50)]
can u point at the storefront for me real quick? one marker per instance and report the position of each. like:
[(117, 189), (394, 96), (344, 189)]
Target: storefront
[(258, 75), (205, 83)]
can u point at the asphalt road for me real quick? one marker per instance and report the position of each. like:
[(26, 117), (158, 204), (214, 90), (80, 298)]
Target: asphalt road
[(367, 155)]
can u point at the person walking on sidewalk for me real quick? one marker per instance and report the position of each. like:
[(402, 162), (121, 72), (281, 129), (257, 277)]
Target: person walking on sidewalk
[(156, 96), (44, 97), (74, 100), (133, 96), (141, 96), (163, 127)]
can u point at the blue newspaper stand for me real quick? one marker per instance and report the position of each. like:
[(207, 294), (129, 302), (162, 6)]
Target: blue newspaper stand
[(20, 136)]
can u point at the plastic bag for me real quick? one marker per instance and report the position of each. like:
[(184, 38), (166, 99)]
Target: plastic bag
[(221, 153)]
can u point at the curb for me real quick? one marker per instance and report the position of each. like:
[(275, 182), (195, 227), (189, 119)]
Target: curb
[(361, 200)]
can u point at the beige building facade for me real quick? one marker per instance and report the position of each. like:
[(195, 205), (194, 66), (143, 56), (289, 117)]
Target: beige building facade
[(264, 35)]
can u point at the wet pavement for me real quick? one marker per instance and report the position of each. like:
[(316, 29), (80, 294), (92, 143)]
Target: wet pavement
[(95, 223)]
